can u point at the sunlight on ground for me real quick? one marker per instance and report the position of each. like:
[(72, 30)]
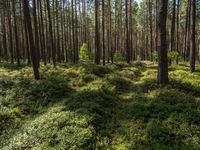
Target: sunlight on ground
[(86, 106)]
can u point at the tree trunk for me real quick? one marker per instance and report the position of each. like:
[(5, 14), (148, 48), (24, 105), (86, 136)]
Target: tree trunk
[(16, 33), (103, 34), (97, 42), (193, 38), (162, 43), (127, 34), (34, 56)]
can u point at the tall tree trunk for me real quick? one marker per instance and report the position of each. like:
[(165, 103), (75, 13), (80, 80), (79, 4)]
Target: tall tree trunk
[(4, 31), (162, 43), (177, 30), (34, 56), (36, 32), (58, 34), (103, 33), (43, 45), (193, 38), (97, 41), (10, 31), (131, 29), (108, 32), (127, 34), (76, 34), (173, 28), (16, 33), (151, 29), (51, 33)]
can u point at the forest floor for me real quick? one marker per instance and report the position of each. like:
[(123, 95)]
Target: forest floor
[(83, 107)]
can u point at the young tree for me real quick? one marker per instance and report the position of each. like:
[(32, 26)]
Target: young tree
[(162, 43)]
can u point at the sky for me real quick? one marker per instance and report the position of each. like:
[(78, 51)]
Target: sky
[(138, 0)]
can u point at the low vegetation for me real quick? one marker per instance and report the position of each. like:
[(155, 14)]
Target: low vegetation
[(87, 107)]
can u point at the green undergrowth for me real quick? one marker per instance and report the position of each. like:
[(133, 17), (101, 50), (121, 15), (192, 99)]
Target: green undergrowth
[(112, 107)]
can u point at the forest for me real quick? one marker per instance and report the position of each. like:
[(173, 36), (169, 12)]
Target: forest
[(99, 75)]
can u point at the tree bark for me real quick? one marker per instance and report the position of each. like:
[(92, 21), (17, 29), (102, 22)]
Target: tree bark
[(162, 43), (34, 56), (193, 38)]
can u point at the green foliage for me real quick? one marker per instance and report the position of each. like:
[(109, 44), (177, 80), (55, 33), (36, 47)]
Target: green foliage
[(55, 130), (173, 55), (155, 56), (85, 54), (120, 84), (97, 70), (88, 106), (118, 56)]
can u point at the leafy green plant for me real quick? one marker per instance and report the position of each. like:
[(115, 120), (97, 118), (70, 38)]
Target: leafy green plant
[(85, 54), (118, 56), (155, 56), (173, 55)]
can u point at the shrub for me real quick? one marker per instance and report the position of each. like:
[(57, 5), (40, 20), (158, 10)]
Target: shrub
[(120, 84), (97, 70), (118, 56), (56, 129), (173, 55), (85, 54), (155, 56)]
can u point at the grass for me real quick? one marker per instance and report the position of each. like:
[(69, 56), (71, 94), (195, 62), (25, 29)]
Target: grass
[(83, 107)]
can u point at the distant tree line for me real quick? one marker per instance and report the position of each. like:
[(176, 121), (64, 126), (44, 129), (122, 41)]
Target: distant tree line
[(53, 31)]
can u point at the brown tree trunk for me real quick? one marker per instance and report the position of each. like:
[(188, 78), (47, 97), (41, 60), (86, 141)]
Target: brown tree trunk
[(173, 28), (16, 34), (103, 33), (34, 56), (127, 34), (162, 43), (10, 31), (51, 33), (97, 37), (36, 32), (193, 38)]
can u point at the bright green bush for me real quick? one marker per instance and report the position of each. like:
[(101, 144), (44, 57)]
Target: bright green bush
[(85, 54), (173, 55)]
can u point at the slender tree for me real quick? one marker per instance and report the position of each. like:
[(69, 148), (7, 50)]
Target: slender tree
[(103, 33), (97, 37), (193, 38), (127, 34), (173, 28), (51, 33)]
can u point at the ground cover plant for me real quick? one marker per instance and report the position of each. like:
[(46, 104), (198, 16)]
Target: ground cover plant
[(87, 106)]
